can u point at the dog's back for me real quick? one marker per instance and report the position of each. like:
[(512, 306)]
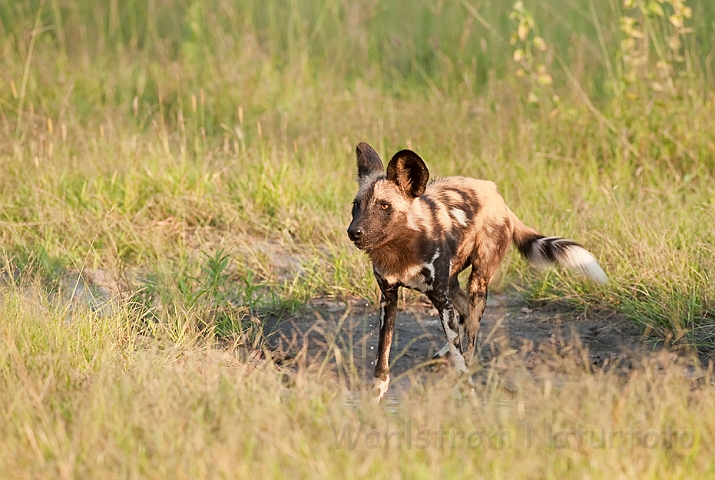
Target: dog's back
[(455, 212)]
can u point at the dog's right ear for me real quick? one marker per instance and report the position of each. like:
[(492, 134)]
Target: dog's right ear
[(368, 161), (409, 172)]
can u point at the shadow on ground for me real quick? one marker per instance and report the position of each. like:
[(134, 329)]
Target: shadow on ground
[(547, 341)]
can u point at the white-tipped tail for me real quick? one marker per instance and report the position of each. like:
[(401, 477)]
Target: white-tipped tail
[(555, 250), (568, 254)]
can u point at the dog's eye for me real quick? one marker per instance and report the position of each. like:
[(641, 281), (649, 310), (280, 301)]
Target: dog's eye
[(385, 206)]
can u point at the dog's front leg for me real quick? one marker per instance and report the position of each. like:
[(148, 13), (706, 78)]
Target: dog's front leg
[(388, 312), (451, 328)]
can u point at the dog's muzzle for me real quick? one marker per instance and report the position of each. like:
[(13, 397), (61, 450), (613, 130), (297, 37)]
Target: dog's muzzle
[(356, 235)]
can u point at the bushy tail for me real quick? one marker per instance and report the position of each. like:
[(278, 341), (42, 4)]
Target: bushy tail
[(542, 250)]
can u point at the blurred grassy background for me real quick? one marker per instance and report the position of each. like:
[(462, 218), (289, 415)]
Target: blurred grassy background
[(194, 160)]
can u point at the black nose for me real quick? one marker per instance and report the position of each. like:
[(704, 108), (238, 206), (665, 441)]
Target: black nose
[(354, 233)]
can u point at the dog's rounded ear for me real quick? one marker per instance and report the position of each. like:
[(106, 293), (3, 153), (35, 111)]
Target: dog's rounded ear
[(409, 172), (368, 161)]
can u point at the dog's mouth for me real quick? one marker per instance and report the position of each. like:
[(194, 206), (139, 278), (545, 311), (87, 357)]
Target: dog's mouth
[(364, 244), (368, 243), (360, 244), (366, 240)]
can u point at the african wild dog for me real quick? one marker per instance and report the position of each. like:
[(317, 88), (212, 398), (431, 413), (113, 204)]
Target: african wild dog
[(422, 236)]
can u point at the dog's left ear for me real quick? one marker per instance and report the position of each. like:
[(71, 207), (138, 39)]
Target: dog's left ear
[(368, 161), (409, 172)]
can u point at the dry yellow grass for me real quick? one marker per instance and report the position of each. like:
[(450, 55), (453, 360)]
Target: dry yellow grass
[(94, 398)]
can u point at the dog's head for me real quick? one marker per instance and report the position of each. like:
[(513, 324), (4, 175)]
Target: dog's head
[(383, 200)]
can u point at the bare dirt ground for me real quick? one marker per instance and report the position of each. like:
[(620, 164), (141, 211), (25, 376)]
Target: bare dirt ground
[(550, 340)]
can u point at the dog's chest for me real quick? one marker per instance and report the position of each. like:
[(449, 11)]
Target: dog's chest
[(418, 276)]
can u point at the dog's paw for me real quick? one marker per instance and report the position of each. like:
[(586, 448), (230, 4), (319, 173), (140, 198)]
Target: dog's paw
[(442, 351), (456, 393), (465, 387), (459, 364), (380, 388)]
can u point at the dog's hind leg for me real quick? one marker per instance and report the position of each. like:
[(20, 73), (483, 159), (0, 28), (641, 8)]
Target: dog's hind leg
[(460, 300), (491, 248)]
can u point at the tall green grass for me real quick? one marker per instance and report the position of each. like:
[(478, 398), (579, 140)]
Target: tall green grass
[(145, 137)]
